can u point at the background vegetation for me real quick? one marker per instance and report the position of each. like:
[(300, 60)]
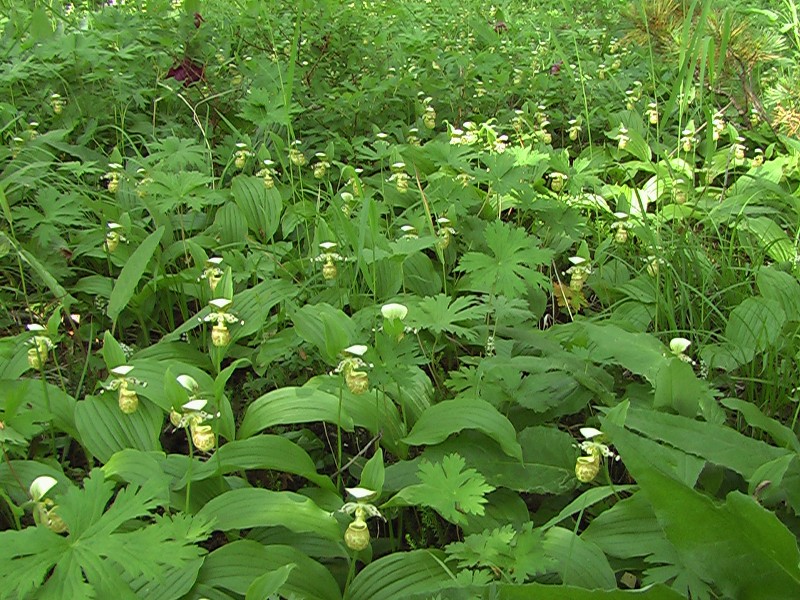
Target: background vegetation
[(399, 300)]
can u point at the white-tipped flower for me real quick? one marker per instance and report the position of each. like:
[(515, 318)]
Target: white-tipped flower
[(40, 486), (394, 311), (356, 350), (679, 345), (188, 383), (361, 494)]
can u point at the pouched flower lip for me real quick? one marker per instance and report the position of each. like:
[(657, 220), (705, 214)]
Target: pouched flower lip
[(115, 166), (407, 228), (621, 215), (188, 383), (220, 303), (40, 486), (590, 432), (679, 345), (241, 145), (328, 245), (360, 493), (577, 260), (347, 196), (443, 221), (194, 405), (34, 327), (356, 349), (214, 260), (122, 370), (113, 226), (394, 311)]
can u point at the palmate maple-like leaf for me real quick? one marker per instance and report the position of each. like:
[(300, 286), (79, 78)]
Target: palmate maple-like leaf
[(511, 266), (449, 490), (518, 553), (439, 315), (90, 561)]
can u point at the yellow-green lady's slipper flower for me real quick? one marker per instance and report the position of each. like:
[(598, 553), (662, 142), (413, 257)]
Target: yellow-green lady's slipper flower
[(574, 129), (557, 181), (193, 416), (739, 149), (322, 165), (297, 158), (127, 398), (267, 174), (357, 535), (758, 158), (113, 237), (579, 272), (652, 113), (399, 177), (212, 272), (40, 346), (329, 258), (429, 117), (620, 227), (203, 437), (114, 177), (444, 232), (57, 103), (357, 381), (221, 317), (687, 139), (587, 467), (241, 155), (44, 511), (623, 138)]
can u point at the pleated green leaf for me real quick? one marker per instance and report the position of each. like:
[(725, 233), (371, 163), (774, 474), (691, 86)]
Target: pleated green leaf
[(452, 416), (104, 429), (255, 507), (292, 405), (269, 452), (401, 575), (236, 566), (737, 546)]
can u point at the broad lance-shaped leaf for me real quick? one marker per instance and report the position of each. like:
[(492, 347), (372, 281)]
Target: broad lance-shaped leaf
[(131, 274), (447, 488), (738, 546), (547, 465), (104, 429), (255, 507), (715, 443), (400, 575), (451, 416), (292, 405), (239, 565)]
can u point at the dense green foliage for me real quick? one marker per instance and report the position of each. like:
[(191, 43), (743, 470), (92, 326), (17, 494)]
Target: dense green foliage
[(399, 300)]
